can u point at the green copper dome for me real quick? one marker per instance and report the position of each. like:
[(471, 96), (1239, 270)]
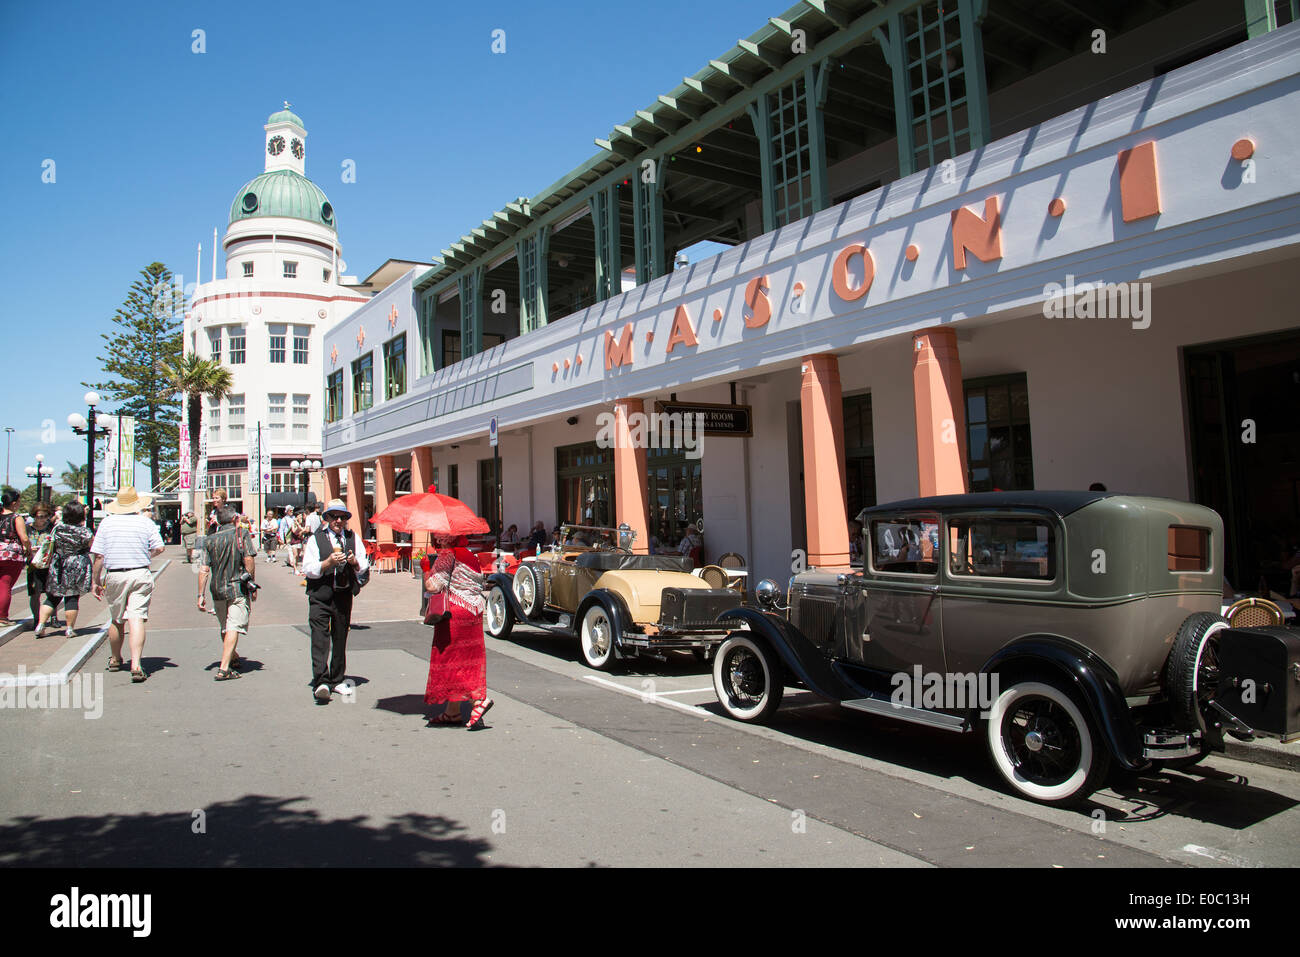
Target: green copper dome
[(283, 116), (283, 192)]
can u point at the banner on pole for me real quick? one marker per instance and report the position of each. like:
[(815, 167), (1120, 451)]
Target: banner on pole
[(201, 471), (183, 482), (255, 461), (126, 450)]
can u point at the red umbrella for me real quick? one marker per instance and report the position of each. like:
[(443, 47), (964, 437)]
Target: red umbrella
[(432, 512)]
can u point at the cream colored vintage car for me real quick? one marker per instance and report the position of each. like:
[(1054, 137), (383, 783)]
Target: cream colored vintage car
[(616, 603)]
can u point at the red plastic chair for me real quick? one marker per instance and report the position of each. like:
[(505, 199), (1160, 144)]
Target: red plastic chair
[(386, 556)]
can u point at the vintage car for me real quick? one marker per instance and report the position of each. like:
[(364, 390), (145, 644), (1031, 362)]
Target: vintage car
[(1067, 628), (616, 603)]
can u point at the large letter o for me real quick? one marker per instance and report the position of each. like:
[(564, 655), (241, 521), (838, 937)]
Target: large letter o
[(840, 272)]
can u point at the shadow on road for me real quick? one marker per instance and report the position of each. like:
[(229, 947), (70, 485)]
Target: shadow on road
[(253, 831)]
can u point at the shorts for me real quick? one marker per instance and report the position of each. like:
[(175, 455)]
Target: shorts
[(232, 614), (128, 594)]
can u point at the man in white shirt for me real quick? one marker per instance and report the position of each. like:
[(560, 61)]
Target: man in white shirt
[(313, 519), (332, 581), (125, 544)]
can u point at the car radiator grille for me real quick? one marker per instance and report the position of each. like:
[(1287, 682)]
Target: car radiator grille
[(815, 617)]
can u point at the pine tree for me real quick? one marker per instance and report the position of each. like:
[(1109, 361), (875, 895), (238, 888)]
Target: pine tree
[(145, 345)]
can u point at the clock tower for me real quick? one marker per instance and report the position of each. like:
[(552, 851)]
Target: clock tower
[(285, 142)]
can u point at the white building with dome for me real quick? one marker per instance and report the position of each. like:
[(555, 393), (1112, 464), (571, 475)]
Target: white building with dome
[(263, 321)]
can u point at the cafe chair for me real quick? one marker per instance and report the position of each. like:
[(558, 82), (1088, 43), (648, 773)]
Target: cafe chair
[(1253, 613), (714, 576), (386, 556)]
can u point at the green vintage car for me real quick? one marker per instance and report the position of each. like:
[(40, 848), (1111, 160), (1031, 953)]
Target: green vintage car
[(617, 604), (1068, 628)]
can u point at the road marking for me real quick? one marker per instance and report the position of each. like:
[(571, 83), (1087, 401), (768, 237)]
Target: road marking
[(688, 691), (1215, 854), (652, 698)]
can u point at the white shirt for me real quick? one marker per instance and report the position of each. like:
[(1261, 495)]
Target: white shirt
[(125, 541), (311, 558), (313, 522)]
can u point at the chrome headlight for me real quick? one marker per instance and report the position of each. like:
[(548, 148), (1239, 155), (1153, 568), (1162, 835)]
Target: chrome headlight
[(768, 593)]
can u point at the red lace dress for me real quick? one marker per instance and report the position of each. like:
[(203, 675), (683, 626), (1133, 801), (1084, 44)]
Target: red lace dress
[(457, 662)]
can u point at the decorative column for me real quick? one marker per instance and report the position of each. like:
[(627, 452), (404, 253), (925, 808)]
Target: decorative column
[(631, 480), (940, 413), (385, 492), (825, 487), (332, 484), (357, 498), (421, 479)]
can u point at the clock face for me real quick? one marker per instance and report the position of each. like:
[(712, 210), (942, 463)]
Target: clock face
[(296, 147), (276, 146)]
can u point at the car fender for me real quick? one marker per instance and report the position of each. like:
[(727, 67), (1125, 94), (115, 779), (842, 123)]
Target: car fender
[(506, 581), (801, 658), (1089, 675), (614, 606)]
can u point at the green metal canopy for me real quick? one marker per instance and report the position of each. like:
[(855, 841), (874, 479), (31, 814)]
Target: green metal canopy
[(283, 193)]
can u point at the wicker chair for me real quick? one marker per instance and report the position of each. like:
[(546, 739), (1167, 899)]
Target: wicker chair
[(1253, 613)]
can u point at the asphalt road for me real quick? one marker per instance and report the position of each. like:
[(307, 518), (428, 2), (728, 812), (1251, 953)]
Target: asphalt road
[(573, 768)]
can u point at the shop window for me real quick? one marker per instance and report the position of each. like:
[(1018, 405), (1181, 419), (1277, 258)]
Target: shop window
[(487, 493), (999, 450), (859, 454)]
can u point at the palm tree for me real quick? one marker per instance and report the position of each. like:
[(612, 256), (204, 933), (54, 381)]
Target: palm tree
[(195, 378), (74, 477)]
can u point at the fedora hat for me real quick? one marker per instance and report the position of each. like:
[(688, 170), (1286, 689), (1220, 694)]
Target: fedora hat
[(128, 500), (336, 505)]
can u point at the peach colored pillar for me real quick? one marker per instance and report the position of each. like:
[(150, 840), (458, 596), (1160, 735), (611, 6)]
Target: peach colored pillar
[(825, 488), (385, 492), (332, 483), (631, 482), (940, 413), (357, 498), (421, 479)]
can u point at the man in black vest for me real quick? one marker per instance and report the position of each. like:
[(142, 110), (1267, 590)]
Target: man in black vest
[(332, 581)]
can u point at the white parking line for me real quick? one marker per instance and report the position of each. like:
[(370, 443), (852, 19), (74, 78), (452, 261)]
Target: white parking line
[(648, 697), (1215, 854), (688, 691)]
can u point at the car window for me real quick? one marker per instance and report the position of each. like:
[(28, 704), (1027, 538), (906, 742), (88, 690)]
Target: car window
[(1002, 547), (905, 546)]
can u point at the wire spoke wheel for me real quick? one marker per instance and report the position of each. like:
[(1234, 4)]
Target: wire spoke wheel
[(747, 678), (1043, 745)]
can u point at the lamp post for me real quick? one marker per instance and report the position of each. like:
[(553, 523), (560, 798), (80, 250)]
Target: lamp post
[(86, 427), (302, 468), (9, 442), (39, 471)]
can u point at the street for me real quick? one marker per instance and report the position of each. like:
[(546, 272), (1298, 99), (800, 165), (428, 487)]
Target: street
[(573, 768)]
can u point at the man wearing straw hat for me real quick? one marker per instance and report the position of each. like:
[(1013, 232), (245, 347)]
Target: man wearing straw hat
[(335, 573), (125, 543)]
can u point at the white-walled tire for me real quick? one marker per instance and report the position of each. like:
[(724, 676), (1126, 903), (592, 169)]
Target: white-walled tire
[(597, 636), (748, 679), (498, 616), (1043, 745), (528, 591)]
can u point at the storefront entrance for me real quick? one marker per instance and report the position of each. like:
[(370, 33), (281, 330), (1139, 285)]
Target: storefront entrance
[(1243, 400)]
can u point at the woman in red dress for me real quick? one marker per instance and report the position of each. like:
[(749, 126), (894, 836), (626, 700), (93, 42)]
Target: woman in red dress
[(458, 661)]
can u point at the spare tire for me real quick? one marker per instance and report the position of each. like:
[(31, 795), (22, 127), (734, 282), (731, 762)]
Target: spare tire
[(1192, 670)]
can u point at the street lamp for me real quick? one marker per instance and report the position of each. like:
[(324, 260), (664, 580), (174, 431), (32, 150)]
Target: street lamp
[(9, 442), (86, 427), (302, 468), (39, 471)]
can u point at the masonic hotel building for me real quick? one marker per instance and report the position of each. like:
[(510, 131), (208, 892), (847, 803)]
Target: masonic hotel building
[(971, 245)]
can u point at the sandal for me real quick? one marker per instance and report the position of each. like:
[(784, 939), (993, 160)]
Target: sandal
[(446, 718), (480, 709), (227, 675), (115, 664), (138, 675)]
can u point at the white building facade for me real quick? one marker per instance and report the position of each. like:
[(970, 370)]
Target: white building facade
[(263, 322)]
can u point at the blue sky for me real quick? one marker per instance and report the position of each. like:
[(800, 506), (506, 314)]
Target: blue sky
[(151, 141)]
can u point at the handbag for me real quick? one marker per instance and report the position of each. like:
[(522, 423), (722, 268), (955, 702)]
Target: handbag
[(437, 610)]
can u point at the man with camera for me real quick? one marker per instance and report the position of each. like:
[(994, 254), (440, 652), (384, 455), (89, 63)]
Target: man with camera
[(335, 573), (229, 562)]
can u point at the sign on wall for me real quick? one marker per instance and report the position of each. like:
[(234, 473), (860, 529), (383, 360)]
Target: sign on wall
[(720, 419)]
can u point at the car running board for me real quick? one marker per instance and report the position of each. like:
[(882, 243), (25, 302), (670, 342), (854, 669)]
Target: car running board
[(888, 709)]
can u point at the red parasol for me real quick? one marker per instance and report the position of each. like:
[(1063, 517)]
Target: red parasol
[(432, 512)]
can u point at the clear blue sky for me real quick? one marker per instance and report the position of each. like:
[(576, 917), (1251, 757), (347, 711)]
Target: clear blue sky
[(151, 141)]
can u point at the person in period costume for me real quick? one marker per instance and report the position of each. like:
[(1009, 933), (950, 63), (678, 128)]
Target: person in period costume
[(70, 563), (458, 659), (336, 569)]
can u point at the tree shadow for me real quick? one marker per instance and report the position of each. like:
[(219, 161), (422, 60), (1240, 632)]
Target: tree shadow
[(252, 831)]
